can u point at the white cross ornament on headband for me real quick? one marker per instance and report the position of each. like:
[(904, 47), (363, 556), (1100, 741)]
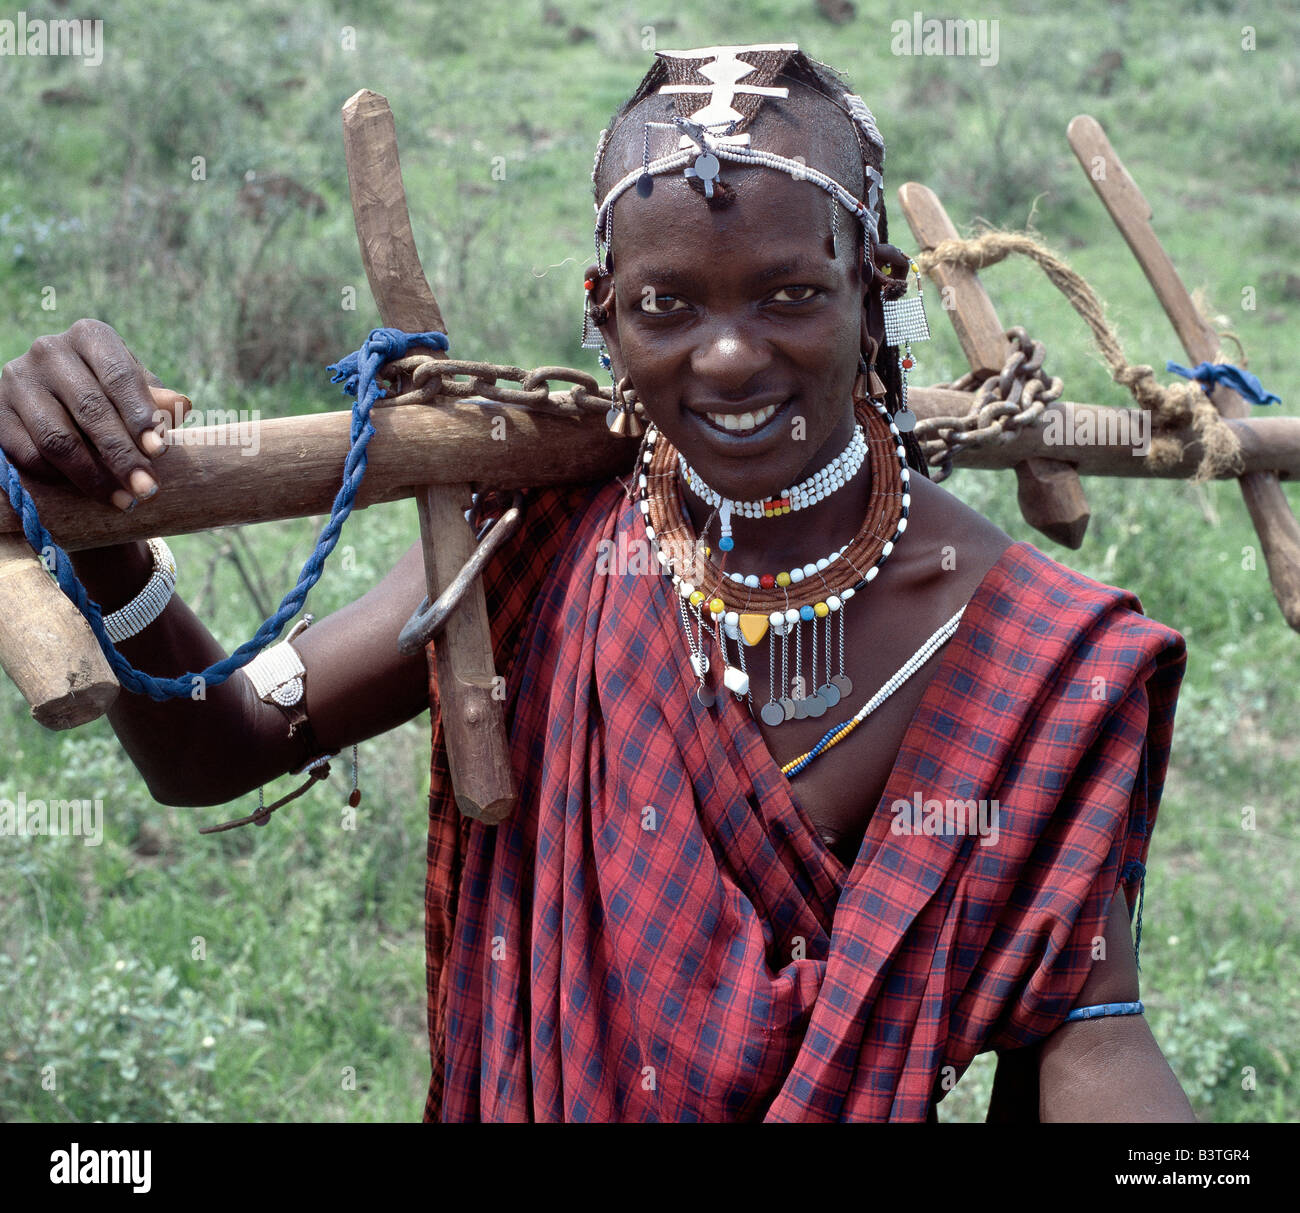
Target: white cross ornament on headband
[(726, 71)]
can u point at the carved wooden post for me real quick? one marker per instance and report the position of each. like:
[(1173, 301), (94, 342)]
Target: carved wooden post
[(1275, 524), (473, 720)]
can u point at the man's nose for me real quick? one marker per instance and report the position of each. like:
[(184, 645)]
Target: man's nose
[(727, 357)]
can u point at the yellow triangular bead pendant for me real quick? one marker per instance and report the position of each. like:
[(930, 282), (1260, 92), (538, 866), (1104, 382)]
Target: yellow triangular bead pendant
[(753, 628)]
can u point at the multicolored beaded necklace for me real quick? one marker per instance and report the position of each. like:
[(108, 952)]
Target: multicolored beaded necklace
[(797, 609)]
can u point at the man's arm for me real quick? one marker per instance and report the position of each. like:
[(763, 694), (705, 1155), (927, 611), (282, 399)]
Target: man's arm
[(1109, 1069), (80, 410), (214, 750)]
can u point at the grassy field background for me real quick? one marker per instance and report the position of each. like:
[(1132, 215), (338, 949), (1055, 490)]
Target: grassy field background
[(278, 974)]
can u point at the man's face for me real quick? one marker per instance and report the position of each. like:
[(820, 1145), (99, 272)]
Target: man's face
[(739, 318)]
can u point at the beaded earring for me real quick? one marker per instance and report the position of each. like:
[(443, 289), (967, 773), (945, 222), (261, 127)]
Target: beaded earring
[(905, 322), (593, 315)]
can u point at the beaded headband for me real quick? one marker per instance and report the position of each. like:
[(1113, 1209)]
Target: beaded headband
[(711, 134)]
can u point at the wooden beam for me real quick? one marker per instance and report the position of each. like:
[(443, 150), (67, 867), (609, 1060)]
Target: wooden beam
[(387, 243), (298, 466), (296, 472), (46, 646), (967, 303)]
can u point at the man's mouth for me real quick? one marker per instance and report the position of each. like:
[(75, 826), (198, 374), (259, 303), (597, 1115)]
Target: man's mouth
[(742, 422)]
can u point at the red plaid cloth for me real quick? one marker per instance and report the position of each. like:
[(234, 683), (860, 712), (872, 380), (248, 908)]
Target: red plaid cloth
[(589, 961)]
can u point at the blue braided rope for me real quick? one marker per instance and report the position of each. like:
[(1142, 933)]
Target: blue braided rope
[(356, 373)]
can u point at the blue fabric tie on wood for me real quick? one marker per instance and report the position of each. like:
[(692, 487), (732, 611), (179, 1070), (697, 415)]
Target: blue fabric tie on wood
[(1208, 374), (357, 373)]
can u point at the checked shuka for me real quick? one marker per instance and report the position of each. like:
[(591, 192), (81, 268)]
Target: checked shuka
[(622, 947)]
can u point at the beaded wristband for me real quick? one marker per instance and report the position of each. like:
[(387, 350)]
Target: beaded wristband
[(277, 673), (279, 678), (1101, 1010), (150, 602)]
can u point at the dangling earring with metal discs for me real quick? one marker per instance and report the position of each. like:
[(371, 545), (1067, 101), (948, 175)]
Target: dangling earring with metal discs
[(905, 322)]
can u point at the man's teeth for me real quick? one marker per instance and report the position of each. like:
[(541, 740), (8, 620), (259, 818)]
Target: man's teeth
[(742, 421)]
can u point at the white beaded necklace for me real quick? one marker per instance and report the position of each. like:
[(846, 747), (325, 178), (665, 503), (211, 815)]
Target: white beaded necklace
[(817, 487)]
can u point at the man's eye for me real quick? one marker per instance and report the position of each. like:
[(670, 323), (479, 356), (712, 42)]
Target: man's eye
[(794, 294), (659, 304)]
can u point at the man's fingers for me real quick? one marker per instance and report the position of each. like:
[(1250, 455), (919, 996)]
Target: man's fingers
[(21, 451), (60, 445), (170, 409), (122, 380), (98, 411), (79, 407)]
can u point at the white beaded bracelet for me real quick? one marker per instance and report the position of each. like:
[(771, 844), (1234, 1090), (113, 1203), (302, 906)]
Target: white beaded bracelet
[(150, 602)]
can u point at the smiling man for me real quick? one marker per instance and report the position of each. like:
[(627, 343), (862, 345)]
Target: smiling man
[(701, 911), (835, 789)]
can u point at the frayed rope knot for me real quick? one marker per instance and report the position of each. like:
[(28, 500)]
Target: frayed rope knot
[(1172, 406)]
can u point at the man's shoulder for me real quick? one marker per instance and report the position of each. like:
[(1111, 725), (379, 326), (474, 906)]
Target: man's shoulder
[(1031, 593), (956, 544)]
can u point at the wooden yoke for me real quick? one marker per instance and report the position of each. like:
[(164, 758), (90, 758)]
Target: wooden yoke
[(52, 655), (473, 721), (1275, 524), (1051, 498)]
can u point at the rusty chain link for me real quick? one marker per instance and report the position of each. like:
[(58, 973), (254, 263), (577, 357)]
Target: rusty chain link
[(424, 379), (1004, 404)]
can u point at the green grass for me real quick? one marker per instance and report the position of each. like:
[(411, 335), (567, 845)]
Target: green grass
[(311, 933)]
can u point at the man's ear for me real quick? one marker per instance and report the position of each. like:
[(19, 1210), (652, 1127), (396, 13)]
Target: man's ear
[(605, 319), (892, 264), (873, 321)]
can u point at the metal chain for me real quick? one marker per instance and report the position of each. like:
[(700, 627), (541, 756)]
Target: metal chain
[(1003, 405), (423, 379)]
